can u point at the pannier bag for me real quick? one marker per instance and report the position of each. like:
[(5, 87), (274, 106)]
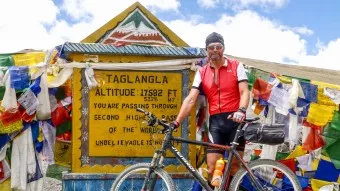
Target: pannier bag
[(265, 134)]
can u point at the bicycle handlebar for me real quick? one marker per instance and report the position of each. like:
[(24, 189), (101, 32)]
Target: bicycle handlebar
[(251, 119), (140, 110), (154, 121)]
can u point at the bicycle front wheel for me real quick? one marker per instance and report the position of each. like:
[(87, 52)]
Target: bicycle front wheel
[(272, 175), (134, 176)]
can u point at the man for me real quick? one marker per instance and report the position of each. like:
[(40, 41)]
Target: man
[(225, 85)]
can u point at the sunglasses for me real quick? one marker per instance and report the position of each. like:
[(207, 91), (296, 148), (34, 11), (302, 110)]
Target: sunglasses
[(213, 46)]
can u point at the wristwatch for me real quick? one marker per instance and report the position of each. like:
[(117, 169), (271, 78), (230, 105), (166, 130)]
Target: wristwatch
[(242, 109)]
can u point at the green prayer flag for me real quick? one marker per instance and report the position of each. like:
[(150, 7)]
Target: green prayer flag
[(257, 73), (2, 92), (6, 60), (333, 153), (331, 133), (254, 157), (281, 155), (63, 128), (331, 136), (251, 80), (335, 124)]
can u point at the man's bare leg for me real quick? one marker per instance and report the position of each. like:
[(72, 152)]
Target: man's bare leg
[(235, 166), (211, 161)]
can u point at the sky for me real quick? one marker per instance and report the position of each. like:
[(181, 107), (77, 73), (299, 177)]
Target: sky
[(299, 32)]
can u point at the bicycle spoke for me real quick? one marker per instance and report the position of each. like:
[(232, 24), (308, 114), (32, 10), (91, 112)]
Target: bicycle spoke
[(269, 179), (270, 175), (135, 178)]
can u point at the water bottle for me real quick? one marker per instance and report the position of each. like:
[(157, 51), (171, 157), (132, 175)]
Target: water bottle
[(218, 172)]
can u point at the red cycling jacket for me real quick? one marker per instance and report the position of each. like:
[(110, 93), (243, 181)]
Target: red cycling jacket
[(223, 96)]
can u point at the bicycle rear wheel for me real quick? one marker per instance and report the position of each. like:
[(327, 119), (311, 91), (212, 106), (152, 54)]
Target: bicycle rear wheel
[(272, 175), (133, 178)]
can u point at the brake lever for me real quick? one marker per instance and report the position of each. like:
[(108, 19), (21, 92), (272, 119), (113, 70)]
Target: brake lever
[(161, 131)]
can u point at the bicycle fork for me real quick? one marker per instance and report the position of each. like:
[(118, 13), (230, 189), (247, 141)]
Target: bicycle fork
[(150, 179)]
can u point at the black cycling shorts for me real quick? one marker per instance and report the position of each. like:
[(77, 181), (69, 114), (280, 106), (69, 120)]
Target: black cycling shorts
[(222, 131)]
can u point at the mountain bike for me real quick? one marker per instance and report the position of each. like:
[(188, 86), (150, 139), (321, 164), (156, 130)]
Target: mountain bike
[(261, 174)]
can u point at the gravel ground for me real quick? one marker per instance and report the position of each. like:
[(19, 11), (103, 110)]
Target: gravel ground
[(52, 184)]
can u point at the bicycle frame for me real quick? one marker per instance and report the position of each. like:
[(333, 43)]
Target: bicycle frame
[(159, 155), (167, 144), (185, 162)]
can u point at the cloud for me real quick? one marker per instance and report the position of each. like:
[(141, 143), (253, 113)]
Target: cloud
[(243, 4), (22, 24), (94, 8), (17, 12), (327, 57), (38, 24), (162, 5), (76, 9), (249, 35), (70, 33), (303, 30), (246, 34), (208, 3), (261, 3)]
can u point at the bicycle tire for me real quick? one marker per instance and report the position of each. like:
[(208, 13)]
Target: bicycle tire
[(236, 181), (169, 183)]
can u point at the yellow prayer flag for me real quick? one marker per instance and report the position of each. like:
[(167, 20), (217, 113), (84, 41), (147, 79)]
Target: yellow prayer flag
[(28, 59), (317, 184), (322, 98), (319, 114), (285, 79), (323, 85), (6, 185), (315, 164), (298, 151), (41, 135), (326, 158), (63, 153)]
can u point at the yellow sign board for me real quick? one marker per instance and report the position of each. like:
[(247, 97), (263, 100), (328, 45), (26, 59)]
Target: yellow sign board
[(115, 127)]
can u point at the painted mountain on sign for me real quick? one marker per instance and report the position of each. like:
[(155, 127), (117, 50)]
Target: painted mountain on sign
[(136, 28)]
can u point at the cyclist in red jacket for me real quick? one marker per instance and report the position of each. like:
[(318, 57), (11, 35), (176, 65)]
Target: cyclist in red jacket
[(225, 84)]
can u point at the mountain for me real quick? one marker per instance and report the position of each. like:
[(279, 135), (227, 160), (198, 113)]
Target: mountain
[(135, 29)]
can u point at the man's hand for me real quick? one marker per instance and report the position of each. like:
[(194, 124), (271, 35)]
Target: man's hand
[(238, 116), (174, 125)]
